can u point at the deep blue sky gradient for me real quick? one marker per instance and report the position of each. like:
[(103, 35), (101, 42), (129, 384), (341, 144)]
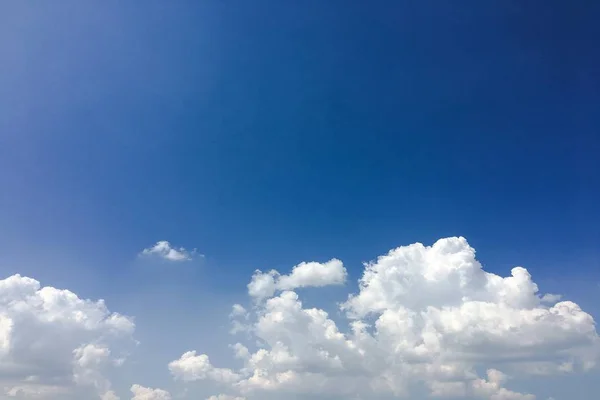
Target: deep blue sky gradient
[(266, 133)]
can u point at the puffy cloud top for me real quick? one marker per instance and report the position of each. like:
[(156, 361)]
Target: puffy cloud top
[(443, 275)]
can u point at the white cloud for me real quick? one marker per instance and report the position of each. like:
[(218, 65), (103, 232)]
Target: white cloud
[(237, 310), (88, 362), (306, 274), (145, 393), (163, 249), (492, 388), (423, 314), (225, 397), (239, 319), (191, 367), (551, 298), (54, 344), (110, 395)]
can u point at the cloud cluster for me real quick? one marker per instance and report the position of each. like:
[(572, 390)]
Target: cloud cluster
[(163, 250), (54, 344), (424, 318), (426, 321)]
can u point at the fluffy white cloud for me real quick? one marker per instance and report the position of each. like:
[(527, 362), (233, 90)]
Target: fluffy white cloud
[(145, 393), (54, 344), (311, 274), (191, 367), (423, 315), (163, 249)]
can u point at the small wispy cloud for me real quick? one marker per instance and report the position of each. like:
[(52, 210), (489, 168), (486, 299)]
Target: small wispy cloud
[(163, 249)]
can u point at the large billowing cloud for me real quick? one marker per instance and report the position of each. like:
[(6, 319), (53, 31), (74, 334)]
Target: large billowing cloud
[(55, 345), (425, 320)]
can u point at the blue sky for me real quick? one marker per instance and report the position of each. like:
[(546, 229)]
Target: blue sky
[(268, 133)]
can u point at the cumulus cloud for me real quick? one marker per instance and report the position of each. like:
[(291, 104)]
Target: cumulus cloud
[(191, 367), (146, 393), (163, 250), (423, 315), (54, 344), (306, 274)]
